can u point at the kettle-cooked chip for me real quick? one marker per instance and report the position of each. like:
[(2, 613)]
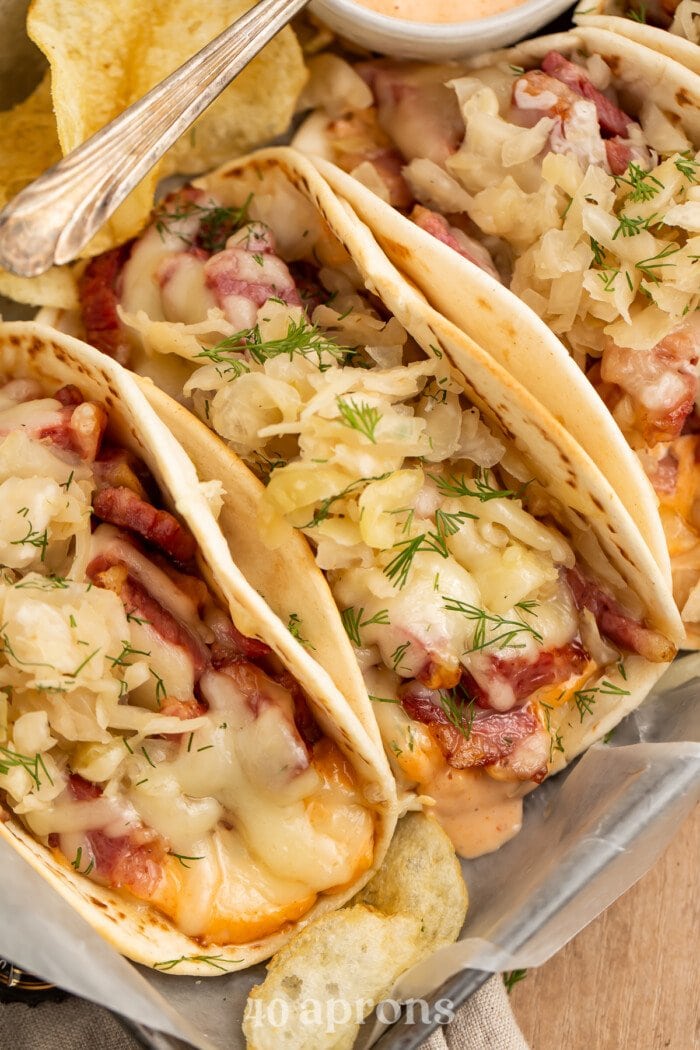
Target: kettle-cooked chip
[(421, 876), (104, 56), (336, 970), (322, 984)]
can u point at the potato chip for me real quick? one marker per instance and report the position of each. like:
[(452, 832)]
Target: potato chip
[(333, 973), (29, 146), (104, 56), (29, 141), (322, 984), (421, 876)]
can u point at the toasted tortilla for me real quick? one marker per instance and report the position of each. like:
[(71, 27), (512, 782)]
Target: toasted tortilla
[(499, 321), (135, 929), (609, 14)]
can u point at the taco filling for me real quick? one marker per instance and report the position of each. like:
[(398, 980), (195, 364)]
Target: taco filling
[(481, 628), (143, 738), (584, 202)]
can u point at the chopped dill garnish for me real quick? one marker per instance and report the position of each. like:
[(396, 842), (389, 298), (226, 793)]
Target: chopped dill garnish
[(586, 698), (645, 186), (656, 262), (216, 223), (303, 339), (353, 622), (32, 764), (398, 655), (294, 626), (510, 629), (323, 511), (631, 225), (479, 487), (217, 962), (459, 709), (360, 416), (183, 858), (687, 166)]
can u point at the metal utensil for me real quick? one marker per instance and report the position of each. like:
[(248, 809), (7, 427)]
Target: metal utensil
[(55, 216)]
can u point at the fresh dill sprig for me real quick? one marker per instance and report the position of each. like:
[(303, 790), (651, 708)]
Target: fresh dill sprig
[(217, 962), (353, 622), (398, 655), (183, 858), (457, 705), (607, 276), (303, 339), (657, 262), (631, 225), (512, 977), (294, 626), (323, 511), (450, 524), (127, 650), (360, 416), (400, 565), (32, 764), (216, 223), (479, 487), (598, 251), (47, 583), (687, 166), (555, 740), (78, 860), (510, 629), (33, 537), (645, 186), (586, 698)]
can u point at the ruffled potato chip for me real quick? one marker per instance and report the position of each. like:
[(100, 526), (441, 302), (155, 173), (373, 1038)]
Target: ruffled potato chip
[(104, 56)]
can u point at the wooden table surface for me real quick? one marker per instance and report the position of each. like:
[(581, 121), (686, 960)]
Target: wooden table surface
[(630, 980)]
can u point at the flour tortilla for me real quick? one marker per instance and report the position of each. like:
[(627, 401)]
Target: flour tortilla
[(135, 929), (607, 14)]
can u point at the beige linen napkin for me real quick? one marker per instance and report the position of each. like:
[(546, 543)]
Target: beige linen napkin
[(486, 1022)]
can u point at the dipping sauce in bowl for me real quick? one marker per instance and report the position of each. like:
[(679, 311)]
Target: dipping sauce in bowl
[(439, 11), (436, 30)]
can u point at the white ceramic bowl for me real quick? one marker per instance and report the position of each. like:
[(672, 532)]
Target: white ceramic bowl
[(430, 40)]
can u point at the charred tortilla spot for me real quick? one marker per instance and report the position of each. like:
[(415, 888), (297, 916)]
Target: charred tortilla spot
[(395, 248), (683, 98)]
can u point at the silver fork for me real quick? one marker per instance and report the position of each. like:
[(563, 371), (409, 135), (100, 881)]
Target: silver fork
[(50, 220)]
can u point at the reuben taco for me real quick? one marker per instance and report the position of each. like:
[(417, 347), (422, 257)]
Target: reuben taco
[(565, 170), (501, 602), (171, 758)]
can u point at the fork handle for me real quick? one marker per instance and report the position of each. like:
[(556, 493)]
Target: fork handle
[(55, 216)]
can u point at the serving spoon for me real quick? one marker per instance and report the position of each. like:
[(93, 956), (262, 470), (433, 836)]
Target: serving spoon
[(50, 220)]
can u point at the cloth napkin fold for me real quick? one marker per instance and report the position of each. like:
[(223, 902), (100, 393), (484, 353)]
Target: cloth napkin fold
[(485, 1022)]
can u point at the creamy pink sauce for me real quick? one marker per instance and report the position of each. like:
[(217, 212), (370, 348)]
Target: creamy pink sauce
[(479, 813), (439, 10)]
